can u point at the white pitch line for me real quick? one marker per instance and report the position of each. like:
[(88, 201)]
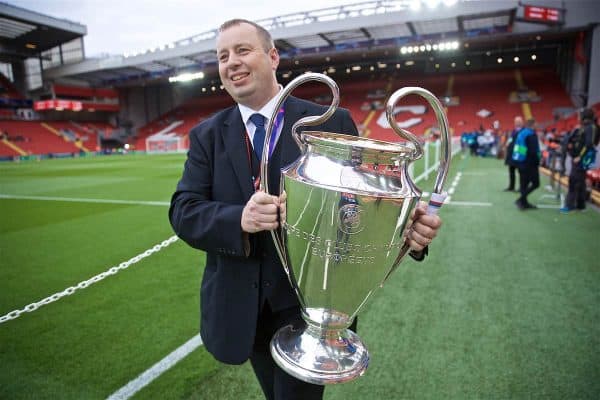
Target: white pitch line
[(157, 369), (555, 207), (174, 357), (85, 200)]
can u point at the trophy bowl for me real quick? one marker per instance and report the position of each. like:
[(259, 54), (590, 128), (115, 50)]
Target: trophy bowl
[(349, 200)]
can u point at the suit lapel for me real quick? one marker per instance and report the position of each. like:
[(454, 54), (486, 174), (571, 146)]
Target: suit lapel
[(233, 133), (286, 150)]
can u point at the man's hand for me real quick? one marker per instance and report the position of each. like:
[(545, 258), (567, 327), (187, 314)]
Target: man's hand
[(423, 227), (260, 213)]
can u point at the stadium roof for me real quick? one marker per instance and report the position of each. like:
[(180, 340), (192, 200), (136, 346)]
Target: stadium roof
[(25, 34), (335, 35)]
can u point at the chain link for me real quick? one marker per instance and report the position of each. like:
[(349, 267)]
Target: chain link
[(84, 284)]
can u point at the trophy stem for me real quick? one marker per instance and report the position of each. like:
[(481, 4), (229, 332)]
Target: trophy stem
[(320, 355)]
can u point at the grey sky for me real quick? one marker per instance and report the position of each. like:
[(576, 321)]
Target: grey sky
[(118, 26)]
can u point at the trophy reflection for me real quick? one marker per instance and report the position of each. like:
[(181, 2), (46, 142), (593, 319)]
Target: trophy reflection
[(349, 200)]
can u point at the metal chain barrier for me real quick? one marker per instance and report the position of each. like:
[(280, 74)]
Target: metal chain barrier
[(83, 284)]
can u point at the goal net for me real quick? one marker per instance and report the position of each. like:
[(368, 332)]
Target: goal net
[(165, 143)]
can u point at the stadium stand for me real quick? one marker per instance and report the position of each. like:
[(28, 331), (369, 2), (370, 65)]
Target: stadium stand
[(84, 140), (180, 120), (63, 117), (35, 137), (365, 98), (484, 98), (78, 98)]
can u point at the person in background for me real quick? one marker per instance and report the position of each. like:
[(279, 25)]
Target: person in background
[(508, 160), (218, 208), (526, 153), (581, 147)]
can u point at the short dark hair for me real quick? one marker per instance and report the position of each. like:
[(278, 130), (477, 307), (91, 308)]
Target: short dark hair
[(530, 123), (263, 34)]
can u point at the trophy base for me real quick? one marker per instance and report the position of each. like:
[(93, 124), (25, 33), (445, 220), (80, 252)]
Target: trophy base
[(320, 356)]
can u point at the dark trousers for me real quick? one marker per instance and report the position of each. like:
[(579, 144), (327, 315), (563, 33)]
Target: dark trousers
[(511, 177), (529, 179), (275, 383), (577, 189)]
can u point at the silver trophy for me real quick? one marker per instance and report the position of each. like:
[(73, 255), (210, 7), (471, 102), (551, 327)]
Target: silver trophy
[(348, 203)]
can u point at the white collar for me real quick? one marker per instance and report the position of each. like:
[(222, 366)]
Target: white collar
[(266, 111)]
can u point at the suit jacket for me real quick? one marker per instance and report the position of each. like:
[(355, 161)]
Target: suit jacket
[(206, 212), (508, 160)]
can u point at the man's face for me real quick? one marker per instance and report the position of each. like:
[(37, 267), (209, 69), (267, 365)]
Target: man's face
[(245, 67), (518, 123)]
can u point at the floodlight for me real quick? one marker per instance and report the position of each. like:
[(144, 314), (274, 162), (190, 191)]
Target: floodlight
[(186, 77)]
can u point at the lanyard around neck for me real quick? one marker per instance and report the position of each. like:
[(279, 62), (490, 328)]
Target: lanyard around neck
[(270, 148)]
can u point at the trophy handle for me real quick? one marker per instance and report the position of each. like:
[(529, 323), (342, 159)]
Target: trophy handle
[(440, 116), (437, 196), (306, 121)]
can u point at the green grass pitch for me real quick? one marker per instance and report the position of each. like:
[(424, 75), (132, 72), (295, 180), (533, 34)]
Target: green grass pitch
[(507, 305)]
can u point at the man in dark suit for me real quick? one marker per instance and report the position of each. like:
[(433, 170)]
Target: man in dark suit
[(217, 207), (583, 140)]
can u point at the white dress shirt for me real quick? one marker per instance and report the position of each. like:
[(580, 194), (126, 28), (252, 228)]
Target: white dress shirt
[(267, 112)]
